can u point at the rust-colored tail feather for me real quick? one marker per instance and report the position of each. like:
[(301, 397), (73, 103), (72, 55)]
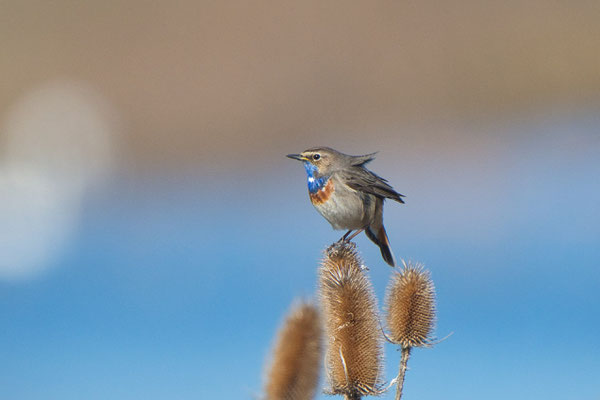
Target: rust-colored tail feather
[(380, 239)]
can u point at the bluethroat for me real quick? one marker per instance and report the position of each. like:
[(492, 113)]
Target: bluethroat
[(348, 195)]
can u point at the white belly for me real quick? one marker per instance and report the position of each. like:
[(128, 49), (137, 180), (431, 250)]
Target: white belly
[(345, 211)]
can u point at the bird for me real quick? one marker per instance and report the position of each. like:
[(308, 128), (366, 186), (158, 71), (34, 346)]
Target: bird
[(348, 195)]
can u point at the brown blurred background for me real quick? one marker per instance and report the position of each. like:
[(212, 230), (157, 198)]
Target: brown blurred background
[(195, 83)]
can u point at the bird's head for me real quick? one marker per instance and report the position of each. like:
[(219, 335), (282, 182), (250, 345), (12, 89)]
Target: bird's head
[(319, 161)]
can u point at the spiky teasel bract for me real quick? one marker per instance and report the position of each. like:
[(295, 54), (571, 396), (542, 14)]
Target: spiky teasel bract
[(410, 304), (293, 373), (354, 356)]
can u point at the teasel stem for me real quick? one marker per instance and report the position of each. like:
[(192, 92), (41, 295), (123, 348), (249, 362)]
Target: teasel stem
[(402, 371), (410, 304), (352, 396), (354, 355)]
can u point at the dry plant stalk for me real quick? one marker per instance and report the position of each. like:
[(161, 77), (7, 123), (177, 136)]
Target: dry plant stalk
[(293, 373), (354, 356), (410, 304)]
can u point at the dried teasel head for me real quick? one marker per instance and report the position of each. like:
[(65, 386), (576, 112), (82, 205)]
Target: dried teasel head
[(354, 356), (293, 373), (410, 304)]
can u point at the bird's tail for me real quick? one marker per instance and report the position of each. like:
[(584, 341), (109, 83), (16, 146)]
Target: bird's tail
[(379, 237)]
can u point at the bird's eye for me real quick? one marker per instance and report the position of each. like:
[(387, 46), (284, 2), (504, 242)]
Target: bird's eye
[(316, 157)]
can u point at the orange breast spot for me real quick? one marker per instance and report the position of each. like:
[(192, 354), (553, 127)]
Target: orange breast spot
[(322, 195)]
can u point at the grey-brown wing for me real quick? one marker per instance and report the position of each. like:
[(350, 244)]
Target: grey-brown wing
[(366, 181)]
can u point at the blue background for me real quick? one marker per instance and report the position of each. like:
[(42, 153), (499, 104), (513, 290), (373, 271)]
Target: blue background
[(176, 288)]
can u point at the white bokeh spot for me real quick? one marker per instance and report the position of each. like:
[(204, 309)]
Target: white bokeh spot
[(57, 143)]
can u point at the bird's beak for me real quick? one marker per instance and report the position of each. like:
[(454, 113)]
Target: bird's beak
[(297, 157)]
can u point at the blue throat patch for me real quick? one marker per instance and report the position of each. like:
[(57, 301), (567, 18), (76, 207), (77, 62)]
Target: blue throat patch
[(314, 183)]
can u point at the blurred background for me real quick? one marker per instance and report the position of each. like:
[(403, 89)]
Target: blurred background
[(152, 233)]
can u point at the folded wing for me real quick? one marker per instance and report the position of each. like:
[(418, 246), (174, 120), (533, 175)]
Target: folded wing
[(361, 179)]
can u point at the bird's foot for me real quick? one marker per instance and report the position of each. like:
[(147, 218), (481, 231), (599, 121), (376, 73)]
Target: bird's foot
[(349, 238), (340, 246), (345, 237)]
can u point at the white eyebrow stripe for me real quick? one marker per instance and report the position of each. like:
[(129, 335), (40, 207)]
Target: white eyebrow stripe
[(311, 179)]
